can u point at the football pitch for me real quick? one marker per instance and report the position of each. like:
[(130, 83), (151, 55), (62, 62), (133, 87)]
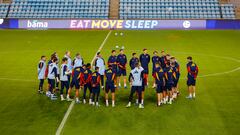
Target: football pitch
[(215, 111)]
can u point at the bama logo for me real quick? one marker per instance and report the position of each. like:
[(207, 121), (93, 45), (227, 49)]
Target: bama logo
[(37, 24)]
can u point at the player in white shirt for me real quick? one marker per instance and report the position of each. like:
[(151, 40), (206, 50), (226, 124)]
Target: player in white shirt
[(52, 77), (136, 81), (78, 61), (100, 62), (41, 73), (69, 63), (64, 78)]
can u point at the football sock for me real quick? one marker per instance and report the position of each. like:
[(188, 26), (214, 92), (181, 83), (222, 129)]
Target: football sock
[(113, 102), (136, 101)]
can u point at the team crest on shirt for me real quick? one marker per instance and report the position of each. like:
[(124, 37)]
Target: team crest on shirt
[(109, 71), (136, 72)]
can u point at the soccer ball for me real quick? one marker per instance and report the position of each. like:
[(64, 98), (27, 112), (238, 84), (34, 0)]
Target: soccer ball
[(123, 47), (121, 34), (116, 33), (117, 46)]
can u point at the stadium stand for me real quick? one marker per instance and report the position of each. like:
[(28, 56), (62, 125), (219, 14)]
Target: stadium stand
[(3, 10), (169, 9), (121, 9), (227, 11), (59, 9)]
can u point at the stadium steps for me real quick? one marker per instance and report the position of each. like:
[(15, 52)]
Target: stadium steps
[(114, 9), (6, 1)]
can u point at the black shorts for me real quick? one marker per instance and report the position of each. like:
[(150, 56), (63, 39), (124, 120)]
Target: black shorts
[(122, 72), (64, 84), (51, 83), (191, 82), (75, 83), (109, 86), (160, 88), (88, 86)]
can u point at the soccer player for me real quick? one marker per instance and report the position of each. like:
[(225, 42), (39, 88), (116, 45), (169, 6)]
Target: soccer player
[(110, 75), (176, 69), (133, 61), (52, 77), (78, 61), (100, 62), (112, 60), (48, 93), (169, 83), (41, 73), (85, 82), (144, 60), (159, 75), (58, 72), (64, 78), (155, 59), (69, 63), (136, 80), (163, 59), (192, 69), (75, 83), (122, 61), (95, 82)]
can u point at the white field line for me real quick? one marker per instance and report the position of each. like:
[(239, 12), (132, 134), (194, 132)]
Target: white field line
[(19, 80), (64, 120)]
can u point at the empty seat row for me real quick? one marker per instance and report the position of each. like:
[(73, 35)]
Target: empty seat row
[(167, 9), (3, 10), (59, 9)]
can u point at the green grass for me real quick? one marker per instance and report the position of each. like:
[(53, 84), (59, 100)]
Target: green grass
[(215, 111)]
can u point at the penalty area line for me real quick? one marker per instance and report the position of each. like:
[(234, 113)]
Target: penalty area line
[(64, 120)]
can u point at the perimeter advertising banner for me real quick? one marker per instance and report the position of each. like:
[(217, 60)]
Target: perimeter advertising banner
[(117, 24), (112, 24)]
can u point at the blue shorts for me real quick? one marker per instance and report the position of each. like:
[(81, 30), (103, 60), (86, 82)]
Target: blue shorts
[(137, 88), (145, 71), (191, 82), (175, 82), (122, 72), (115, 70), (109, 86), (96, 90), (51, 83), (160, 88), (75, 83), (168, 86)]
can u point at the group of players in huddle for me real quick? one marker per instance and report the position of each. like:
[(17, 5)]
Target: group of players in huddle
[(75, 74)]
